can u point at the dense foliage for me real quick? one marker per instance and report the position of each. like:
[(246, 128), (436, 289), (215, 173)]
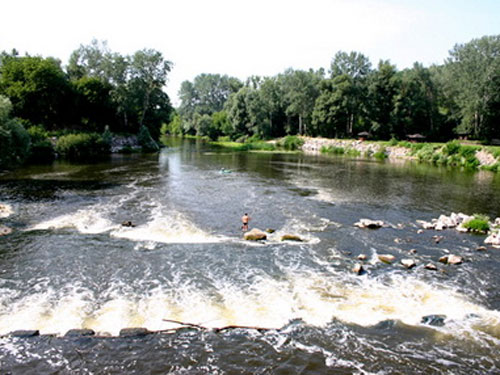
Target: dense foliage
[(459, 98), (97, 90)]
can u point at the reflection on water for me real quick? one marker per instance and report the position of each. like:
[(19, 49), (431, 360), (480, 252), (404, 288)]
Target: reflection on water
[(71, 264)]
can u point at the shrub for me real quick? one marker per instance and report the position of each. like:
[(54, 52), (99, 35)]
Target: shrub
[(82, 146), (479, 224), (146, 141), (392, 142), (41, 150), (291, 142), (352, 152), (405, 144), (14, 144), (332, 150), (451, 148), (380, 154)]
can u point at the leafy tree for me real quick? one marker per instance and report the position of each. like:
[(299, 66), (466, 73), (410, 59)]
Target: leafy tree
[(475, 80), (14, 139), (38, 90)]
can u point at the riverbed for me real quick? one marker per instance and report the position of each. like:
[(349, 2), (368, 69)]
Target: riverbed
[(69, 263)]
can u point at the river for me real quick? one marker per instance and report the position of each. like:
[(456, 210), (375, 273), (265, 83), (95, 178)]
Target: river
[(70, 264)]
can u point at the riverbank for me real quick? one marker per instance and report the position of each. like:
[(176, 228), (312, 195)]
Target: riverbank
[(451, 153)]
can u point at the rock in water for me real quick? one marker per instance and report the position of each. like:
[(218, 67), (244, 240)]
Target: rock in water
[(434, 320), (358, 269), (362, 257), (386, 258), (451, 259), (408, 263), (5, 230), (291, 237), (270, 230), (255, 235), (493, 239), (431, 266), (370, 224)]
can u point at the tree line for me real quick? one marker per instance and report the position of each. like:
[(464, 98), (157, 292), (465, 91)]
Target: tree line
[(98, 89), (461, 97)]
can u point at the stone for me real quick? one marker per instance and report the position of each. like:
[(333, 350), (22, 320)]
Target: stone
[(5, 230), (408, 263), (5, 210), (128, 223), (362, 257), (291, 237), (25, 333), (430, 266), (370, 224), (493, 239), (412, 251), (437, 239), (451, 259), (255, 235), (79, 333), (386, 258), (433, 320), (134, 332), (420, 231), (481, 248), (358, 269), (270, 230)]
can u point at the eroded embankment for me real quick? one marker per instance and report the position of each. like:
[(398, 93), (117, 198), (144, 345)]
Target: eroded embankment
[(315, 145)]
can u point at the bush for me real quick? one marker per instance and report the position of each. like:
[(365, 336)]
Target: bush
[(291, 142), (332, 150), (352, 152), (451, 148), (82, 146), (392, 142), (14, 144), (380, 154), (405, 144), (479, 224), (146, 141), (41, 150)]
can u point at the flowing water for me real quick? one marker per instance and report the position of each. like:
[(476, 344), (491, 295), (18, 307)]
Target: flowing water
[(70, 264)]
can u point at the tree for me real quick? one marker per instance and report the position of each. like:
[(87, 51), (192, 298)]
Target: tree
[(38, 90), (475, 81), (150, 71), (14, 139)]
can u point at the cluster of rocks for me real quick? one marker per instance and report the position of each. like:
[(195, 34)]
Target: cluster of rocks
[(445, 222), (259, 235), (118, 143), (5, 211), (76, 333), (457, 221)]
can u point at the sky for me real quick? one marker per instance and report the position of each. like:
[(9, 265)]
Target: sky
[(244, 38)]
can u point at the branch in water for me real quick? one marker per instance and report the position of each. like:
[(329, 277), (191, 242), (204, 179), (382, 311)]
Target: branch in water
[(260, 329)]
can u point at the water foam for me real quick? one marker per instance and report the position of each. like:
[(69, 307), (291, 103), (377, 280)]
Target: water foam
[(5, 210), (88, 221), (167, 228)]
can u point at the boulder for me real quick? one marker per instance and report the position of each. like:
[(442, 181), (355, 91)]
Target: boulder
[(255, 235), (79, 333), (134, 332), (370, 224), (362, 257), (291, 237), (128, 223), (430, 266), (481, 248), (5, 230), (493, 239), (408, 263), (437, 239), (451, 259), (5, 210), (358, 269), (386, 258), (420, 231), (25, 333), (434, 320), (270, 230), (412, 251)]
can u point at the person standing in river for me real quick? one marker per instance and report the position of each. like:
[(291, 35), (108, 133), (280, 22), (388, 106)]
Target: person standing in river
[(245, 219)]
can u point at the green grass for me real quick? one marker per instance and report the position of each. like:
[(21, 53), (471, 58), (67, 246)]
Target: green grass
[(332, 150), (479, 224)]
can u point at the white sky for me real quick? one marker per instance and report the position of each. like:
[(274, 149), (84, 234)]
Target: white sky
[(243, 38)]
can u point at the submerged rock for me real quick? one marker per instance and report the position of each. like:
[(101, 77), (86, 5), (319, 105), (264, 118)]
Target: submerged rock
[(387, 258), (291, 237), (255, 235), (370, 224), (5, 230), (434, 320), (408, 263)]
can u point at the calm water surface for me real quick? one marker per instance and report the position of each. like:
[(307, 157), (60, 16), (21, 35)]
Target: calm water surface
[(70, 264)]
